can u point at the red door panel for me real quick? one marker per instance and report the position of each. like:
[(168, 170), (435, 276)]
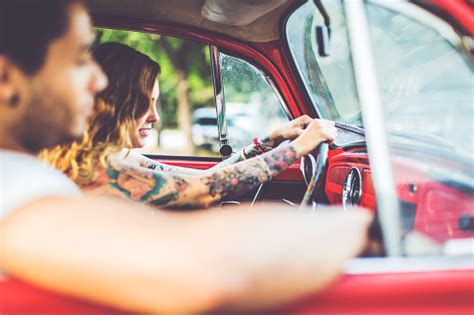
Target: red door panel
[(436, 292), (291, 174)]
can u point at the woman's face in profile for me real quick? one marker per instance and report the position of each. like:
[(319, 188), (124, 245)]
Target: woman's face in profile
[(145, 123)]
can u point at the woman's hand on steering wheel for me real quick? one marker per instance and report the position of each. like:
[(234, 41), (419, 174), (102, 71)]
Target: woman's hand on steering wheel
[(289, 131), (316, 132)]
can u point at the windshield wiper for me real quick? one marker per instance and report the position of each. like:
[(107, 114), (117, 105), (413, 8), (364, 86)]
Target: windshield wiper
[(352, 128)]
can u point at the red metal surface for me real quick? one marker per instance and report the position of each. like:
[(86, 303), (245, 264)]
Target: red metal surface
[(291, 174), (436, 292), (18, 298), (460, 11), (338, 167), (438, 207)]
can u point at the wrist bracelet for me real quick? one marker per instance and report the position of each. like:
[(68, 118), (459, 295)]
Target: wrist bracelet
[(261, 146), (258, 145)]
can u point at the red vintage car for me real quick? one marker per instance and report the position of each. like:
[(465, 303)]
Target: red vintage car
[(397, 78)]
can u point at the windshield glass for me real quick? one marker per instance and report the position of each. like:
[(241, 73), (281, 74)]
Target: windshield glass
[(329, 80), (426, 83)]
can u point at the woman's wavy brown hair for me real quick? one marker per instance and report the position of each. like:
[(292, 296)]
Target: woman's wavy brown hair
[(132, 76)]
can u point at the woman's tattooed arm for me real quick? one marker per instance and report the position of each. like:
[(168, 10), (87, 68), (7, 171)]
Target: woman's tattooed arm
[(245, 176), (250, 151), (154, 165), (159, 188)]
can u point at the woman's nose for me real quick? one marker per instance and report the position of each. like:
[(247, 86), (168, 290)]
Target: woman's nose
[(153, 115), (99, 79)]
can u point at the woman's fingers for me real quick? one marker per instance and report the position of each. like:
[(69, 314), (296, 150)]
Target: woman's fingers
[(315, 132), (305, 120)]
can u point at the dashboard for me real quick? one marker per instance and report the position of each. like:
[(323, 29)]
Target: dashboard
[(436, 208)]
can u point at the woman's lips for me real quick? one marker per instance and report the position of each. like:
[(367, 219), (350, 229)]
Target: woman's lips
[(144, 132)]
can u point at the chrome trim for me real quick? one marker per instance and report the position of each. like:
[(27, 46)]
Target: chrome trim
[(278, 95), (375, 131), (219, 96), (257, 195), (288, 202), (381, 265), (344, 192)]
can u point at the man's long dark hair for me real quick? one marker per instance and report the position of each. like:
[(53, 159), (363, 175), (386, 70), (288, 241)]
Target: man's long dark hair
[(27, 27)]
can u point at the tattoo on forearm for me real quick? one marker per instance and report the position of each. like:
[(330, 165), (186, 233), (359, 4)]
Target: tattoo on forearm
[(154, 165), (278, 160), (247, 175)]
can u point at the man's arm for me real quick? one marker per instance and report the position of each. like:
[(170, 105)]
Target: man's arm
[(141, 260)]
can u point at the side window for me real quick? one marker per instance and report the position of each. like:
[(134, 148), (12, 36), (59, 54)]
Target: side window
[(186, 93), (253, 107)]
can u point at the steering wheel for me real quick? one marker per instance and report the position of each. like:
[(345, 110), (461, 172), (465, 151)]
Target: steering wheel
[(321, 162)]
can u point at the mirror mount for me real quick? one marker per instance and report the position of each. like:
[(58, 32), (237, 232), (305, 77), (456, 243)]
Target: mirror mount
[(323, 32)]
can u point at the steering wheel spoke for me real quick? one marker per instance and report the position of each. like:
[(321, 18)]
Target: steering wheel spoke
[(319, 166)]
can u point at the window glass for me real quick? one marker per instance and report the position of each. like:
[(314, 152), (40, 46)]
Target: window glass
[(426, 84), (252, 105), (185, 87)]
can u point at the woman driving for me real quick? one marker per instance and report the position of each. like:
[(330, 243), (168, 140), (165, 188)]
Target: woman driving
[(122, 118)]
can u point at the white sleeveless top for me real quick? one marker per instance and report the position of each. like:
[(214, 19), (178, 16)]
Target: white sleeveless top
[(24, 178)]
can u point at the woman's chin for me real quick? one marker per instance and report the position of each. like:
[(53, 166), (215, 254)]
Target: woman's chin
[(138, 143)]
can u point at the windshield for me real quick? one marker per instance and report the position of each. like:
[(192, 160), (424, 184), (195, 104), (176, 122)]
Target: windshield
[(426, 83), (329, 81)]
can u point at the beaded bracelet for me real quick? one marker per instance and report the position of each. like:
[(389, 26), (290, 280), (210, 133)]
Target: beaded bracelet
[(261, 146)]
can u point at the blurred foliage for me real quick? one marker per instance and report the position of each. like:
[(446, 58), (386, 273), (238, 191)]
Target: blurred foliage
[(192, 57), (241, 80)]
